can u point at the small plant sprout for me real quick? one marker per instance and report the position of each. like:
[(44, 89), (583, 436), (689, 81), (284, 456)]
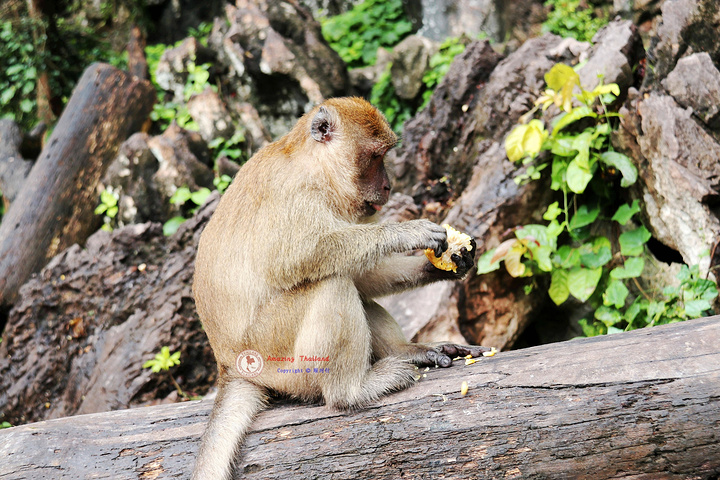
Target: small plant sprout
[(163, 361)]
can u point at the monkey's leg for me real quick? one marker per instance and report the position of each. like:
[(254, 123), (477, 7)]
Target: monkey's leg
[(335, 325), (236, 404), (388, 339)]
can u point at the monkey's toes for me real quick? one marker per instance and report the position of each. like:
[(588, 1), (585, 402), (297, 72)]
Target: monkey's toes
[(439, 358), (454, 350)]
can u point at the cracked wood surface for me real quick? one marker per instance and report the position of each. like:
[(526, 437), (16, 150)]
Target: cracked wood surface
[(640, 405)]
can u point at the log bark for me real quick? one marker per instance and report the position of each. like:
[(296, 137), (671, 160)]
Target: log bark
[(640, 405), (54, 210)]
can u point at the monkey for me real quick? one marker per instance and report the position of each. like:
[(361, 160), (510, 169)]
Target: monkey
[(287, 269)]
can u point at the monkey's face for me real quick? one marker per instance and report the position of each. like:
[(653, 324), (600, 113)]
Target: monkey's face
[(374, 183)]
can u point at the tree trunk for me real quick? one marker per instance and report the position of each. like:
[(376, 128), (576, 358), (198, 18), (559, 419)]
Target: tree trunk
[(641, 405), (55, 206)]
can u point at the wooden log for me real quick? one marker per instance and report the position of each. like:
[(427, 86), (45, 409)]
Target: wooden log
[(55, 207), (640, 405)]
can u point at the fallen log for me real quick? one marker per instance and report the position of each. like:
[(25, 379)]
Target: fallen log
[(54, 208), (641, 405)]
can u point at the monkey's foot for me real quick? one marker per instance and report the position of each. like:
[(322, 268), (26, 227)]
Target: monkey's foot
[(443, 354)]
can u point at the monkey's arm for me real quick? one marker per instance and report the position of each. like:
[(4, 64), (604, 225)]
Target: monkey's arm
[(400, 272)]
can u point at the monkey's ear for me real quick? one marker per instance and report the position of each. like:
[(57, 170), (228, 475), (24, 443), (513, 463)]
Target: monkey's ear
[(323, 126)]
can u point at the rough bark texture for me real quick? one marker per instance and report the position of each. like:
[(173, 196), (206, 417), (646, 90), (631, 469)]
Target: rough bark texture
[(54, 209), (78, 337), (639, 405), (14, 169)]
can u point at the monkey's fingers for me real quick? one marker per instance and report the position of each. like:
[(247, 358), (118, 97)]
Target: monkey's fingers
[(454, 350), (439, 359)]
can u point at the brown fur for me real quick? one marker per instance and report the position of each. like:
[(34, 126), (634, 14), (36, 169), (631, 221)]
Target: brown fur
[(287, 267)]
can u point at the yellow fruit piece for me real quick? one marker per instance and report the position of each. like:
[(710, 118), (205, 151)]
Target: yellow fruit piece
[(456, 241), (491, 353), (463, 388), (470, 361)]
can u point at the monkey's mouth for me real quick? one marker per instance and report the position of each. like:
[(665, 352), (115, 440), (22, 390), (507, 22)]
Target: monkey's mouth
[(372, 208)]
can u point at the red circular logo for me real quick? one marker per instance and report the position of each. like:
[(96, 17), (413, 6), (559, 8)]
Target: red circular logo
[(249, 363)]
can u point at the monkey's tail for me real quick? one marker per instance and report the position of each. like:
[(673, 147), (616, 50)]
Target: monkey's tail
[(236, 405)]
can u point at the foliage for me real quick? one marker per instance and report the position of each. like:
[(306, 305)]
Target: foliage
[(357, 34), (197, 82), (228, 147), (383, 96), (569, 19), (398, 110), (183, 196), (439, 65), (163, 360), (5, 425), (580, 262), (108, 207)]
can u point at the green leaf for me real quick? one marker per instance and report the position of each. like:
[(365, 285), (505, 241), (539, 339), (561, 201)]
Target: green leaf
[(626, 212), (172, 225), (561, 75), (199, 197), (696, 308), (633, 268), (567, 257), (552, 212), (583, 217), (608, 316), (596, 253), (559, 291), (623, 164), (27, 105), (108, 198), (100, 209), (484, 264), (563, 146), (615, 294), (559, 174), (7, 95), (578, 177), (632, 242), (541, 255), (592, 329), (572, 117), (180, 196), (583, 281)]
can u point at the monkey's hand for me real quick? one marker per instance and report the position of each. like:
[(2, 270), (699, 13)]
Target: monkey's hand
[(442, 354), (424, 234), (464, 261)]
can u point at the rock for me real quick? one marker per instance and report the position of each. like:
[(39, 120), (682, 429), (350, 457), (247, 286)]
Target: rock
[(211, 115), (14, 169), (616, 49), (695, 83), (363, 79), (410, 61), (680, 175), (172, 69), (148, 171), (451, 18), (278, 60), (76, 340)]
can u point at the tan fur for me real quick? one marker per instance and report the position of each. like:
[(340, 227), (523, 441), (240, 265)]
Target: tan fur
[(285, 267)]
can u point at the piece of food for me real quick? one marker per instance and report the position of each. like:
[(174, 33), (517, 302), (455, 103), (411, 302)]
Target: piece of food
[(456, 241), (491, 353), (463, 388)]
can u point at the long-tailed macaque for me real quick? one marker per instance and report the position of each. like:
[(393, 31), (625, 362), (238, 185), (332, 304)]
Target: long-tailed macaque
[(287, 269)]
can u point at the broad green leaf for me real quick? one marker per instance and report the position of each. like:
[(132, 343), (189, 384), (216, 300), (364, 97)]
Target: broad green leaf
[(537, 233), (560, 75), (623, 164), (608, 316), (597, 253), (484, 265), (171, 226), (566, 257), (577, 176), (632, 242), (581, 143), (100, 209), (563, 146), (7, 95), (584, 216), (108, 198), (572, 117), (615, 294), (534, 138), (514, 143), (559, 291), (583, 281), (554, 229), (696, 308), (626, 212), (592, 329), (552, 212), (199, 197), (559, 172), (633, 268), (541, 255), (180, 196)]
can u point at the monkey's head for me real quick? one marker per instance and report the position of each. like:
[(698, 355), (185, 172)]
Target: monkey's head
[(355, 137)]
